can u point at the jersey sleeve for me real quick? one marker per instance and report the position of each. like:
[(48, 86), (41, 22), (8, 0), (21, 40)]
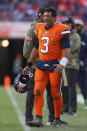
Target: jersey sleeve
[(65, 41), (36, 44), (65, 31)]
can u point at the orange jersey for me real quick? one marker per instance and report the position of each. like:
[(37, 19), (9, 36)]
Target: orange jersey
[(50, 47)]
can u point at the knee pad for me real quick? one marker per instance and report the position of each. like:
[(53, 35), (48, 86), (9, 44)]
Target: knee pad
[(55, 93)]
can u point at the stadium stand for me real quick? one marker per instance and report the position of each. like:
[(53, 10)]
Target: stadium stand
[(26, 10)]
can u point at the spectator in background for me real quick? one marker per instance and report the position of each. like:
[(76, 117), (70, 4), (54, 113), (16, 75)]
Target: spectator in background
[(14, 4), (72, 69), (19, 12), (41, 2), (5, 13), (82, 78), (64, 8)]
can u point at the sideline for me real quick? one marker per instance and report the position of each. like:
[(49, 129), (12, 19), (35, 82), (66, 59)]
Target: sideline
[(18, 111)]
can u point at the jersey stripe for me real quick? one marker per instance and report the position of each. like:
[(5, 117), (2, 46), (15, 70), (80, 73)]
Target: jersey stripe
[(65, 32)]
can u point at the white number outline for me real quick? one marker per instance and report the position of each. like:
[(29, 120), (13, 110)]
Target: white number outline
[(45, 44)]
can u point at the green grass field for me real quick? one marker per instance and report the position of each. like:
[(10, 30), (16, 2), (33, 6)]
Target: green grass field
[(9, 115)]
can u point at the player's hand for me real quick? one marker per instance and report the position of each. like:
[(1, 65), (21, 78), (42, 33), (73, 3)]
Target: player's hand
[(25, 70), (58, 68)]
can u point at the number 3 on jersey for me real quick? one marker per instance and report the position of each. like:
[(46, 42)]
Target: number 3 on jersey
[(45, 44)]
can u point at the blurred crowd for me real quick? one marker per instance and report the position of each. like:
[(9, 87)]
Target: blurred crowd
[(26, 10)]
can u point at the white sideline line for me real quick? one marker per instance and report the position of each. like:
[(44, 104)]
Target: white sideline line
[(19, 113)]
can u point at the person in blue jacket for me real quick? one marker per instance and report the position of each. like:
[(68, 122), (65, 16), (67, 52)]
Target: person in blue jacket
[(82, 78)]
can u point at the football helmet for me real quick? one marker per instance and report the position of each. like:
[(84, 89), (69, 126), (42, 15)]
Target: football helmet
[(24, 83)]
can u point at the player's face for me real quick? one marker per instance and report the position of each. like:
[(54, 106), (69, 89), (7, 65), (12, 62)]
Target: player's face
[(78, 27), (70, 25), (49, 19), (41, 19)]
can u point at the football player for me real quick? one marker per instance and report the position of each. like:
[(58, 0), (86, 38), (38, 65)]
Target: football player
[(53, 45)]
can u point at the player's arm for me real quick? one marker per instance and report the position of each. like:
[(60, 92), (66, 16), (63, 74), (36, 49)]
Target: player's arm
[(29, 41), (28, 45), (75, 43), (66, 48), (33, 56)]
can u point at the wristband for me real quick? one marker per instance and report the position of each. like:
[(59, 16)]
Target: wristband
[(29, 64), (64, 61)]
